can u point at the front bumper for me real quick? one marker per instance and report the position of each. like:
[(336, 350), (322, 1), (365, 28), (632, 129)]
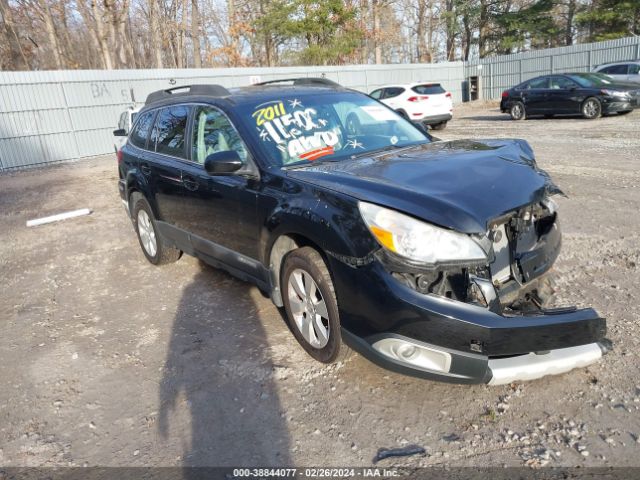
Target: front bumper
[(620, 106), (461, 367), (472, 335)]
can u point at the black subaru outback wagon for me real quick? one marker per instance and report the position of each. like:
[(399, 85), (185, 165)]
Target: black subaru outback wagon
[(428, 257)]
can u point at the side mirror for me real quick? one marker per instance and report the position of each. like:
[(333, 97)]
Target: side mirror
[(120, 132), (223, 163)]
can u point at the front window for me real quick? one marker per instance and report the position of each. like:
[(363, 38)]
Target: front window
[(329, 126), (212, 133)]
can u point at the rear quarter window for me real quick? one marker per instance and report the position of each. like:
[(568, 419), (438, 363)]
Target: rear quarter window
[(429, 89), (138, 136)]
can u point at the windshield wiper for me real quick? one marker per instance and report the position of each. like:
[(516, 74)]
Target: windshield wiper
[(384, 149)]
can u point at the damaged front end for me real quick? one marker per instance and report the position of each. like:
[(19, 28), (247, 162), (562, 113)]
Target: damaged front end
[(521, 248), (483, 319)]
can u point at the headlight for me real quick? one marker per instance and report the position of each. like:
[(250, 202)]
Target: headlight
[(615, 93), (416, 240)]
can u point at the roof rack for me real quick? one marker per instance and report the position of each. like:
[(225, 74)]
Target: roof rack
[(210, 90), (304, 81)]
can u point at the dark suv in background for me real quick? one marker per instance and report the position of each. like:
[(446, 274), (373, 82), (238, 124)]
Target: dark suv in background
[(430, 258)]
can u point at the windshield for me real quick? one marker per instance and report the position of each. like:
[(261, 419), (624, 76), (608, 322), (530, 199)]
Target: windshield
[(592, 79), (300, 129)]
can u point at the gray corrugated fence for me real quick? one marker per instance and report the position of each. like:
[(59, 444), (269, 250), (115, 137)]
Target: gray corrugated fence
[(59, 115), (500, 73)]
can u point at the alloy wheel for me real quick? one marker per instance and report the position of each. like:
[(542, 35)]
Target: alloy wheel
[(308, 308), (147, 233), (591, 109), (517, 111)]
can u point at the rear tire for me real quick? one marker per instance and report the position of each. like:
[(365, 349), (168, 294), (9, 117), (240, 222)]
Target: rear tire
[(151, 243), (311, 305), (439, 126), (591, 108), (517, 111), (403, 114)]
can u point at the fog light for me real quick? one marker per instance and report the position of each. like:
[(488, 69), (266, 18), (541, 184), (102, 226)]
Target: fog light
[(411, 353), (407, 351)]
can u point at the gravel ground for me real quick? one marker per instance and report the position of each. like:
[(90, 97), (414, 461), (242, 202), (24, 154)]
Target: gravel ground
[(107, 360)]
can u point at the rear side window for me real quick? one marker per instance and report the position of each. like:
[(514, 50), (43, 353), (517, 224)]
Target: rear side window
[(392, 92), (429, 89), (169, 132), (140, 133), (538, 83), (615, 70), (561, 83)]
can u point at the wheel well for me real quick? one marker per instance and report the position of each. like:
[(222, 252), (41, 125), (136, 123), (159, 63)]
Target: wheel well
[(284, 244)]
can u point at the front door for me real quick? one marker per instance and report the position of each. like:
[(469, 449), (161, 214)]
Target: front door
[(564, 95), (222, 208), (534, 96)]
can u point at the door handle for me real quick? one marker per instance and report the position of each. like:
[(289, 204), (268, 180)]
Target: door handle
[(145, 169), (189, 183)]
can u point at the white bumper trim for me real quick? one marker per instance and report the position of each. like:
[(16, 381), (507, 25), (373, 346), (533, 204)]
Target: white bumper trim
[(532, 366)]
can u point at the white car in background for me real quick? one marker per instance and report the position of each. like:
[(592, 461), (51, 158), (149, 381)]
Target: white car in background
[(124, 123), (427, 103), (621, 71)]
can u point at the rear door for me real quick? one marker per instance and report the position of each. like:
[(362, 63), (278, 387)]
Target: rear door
[(167, 148), (534, 96)]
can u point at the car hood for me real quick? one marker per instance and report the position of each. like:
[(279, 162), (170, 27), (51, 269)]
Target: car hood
[(461, 185)]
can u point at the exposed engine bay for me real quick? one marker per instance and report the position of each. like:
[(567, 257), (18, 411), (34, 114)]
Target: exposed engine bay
[(524, 246)]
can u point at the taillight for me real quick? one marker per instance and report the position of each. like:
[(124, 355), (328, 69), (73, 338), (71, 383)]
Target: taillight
[(448, 95), (505, 94), (119, 155), (418, 99)]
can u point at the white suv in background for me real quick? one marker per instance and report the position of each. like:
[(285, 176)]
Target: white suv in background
[(427, 103), (124, 123), (621, 71)]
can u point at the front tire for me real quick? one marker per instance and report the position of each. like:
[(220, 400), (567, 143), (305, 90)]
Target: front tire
[(591, 108), (145, 224), (311, 305), (439, 126), (517, 111)]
